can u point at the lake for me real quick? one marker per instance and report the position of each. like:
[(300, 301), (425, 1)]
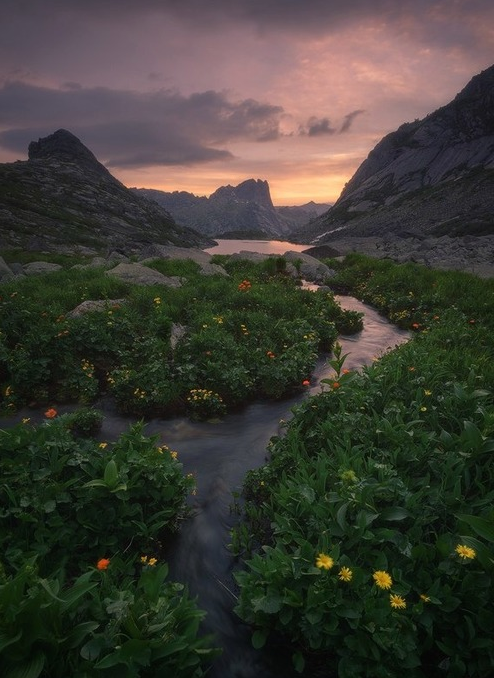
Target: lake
[(261, 246)]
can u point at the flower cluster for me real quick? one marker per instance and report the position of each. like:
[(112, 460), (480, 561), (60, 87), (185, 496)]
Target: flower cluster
[(148, 561), (244, 286)]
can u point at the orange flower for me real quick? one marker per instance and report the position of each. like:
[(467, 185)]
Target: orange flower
[(103, 563), (51, 413), (336, 384), (306, 382)]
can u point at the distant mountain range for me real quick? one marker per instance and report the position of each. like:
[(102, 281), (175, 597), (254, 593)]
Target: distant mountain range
[(62, 197), (245, 211), (429, 178)]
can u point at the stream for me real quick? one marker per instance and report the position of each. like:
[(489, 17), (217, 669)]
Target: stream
[(219, 455)]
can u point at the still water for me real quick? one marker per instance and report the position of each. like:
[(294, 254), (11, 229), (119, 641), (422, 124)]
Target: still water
[(261, 246)]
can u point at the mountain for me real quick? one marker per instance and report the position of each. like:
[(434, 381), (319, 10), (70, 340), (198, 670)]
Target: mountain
[(245, 210), (299, 215), (429, 179), (63, 197)]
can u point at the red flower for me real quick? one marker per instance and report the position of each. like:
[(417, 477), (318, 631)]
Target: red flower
[(51, 413), (306, 382), (336, 384), (103, 563)]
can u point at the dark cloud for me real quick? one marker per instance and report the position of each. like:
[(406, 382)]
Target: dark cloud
[(348, 120), (315, 127), (318, 15), (320, 127), (131, 129)]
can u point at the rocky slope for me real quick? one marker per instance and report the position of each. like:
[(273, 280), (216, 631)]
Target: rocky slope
[(431, 178), (62, 197), (234, 211)]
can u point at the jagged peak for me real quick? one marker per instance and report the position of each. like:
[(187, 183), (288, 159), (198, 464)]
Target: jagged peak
[(64, 146)]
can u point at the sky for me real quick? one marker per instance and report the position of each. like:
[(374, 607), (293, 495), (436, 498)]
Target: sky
[(191, 95)]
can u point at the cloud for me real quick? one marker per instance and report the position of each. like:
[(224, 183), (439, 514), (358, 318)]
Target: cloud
[(133, 129), (315, 127), (348, 120)]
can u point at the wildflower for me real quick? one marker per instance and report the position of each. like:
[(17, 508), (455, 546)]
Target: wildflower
[(270, 354), (349, 476), (103, 563), (157, 301), (345, 574), (424, 598), (382, 579), (173, 454), (51, 413), (423, 409), (324, 562), (345, 371), (8, 391), (411, 369), (465, 552), (102, 445), (152, 562), (427, 393), (26, 420), (336, 384), (144, 559), (397, 602), (415, 326), (306, 382)]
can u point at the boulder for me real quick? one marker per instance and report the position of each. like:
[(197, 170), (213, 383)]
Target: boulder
[(142, 275), (40, 268)]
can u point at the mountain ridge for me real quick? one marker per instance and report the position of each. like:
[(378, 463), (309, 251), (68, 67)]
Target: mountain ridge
[(62, 196)]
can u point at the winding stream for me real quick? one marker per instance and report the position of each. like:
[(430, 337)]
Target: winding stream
[(219, 455)]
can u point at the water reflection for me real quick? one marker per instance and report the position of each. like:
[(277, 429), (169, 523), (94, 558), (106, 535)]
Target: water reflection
[(260, 246)]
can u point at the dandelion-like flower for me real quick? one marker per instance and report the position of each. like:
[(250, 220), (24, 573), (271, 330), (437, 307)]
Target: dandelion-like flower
[(345, 574), (103, 563), (102, 445), (324, 562), (397, 602), (465, 552), (382, 579), (152, 562)]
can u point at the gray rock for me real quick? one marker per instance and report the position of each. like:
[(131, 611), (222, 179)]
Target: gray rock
[(6, 273), (40, 268), (142, 275), (92, 305)]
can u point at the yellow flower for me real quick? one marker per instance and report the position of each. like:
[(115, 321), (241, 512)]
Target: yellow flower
[(424, 598), (26, 420), (102, 445), (465, 552), (427, 393), (423, 409), (144, 559), (345, 574), (397, 602), (382, 579), (324, 562), (152, 561)]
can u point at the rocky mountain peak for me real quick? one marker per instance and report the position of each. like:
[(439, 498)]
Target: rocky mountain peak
[(63, 146), (252, 190)]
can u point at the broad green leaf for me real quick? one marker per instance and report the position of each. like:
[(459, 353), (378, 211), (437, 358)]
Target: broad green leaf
[(394, 513), (110, 475), (31, 668), (481, 526), (259, 639)]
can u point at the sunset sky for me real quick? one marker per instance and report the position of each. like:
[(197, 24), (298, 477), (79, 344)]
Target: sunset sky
[(195, 94)]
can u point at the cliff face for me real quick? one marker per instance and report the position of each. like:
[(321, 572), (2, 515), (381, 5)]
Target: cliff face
[(63, 197), (430, 177)]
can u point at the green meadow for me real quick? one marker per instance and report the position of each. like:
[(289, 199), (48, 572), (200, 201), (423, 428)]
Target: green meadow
[(366, 542)]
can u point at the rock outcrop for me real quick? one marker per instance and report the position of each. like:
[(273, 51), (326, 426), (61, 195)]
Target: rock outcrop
[(431, 178), (62, 198)]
